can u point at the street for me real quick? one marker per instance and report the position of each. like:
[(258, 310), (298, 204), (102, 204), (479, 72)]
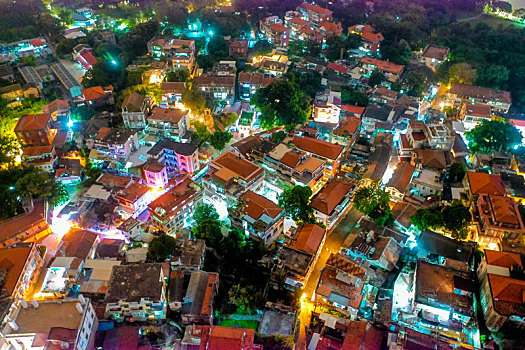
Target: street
[(334, 240)]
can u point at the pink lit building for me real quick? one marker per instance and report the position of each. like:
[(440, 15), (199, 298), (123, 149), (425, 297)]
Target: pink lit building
[(155, 174)]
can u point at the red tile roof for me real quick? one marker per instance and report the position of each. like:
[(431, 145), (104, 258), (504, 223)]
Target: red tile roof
[(38, 42), (30, 122), (337, 67), (330, 196), (477, 110), (358, 111), (133, 192), (319, 147), (93, 93), (299, 21), (25, 222), (485, 183), (315, 8), (13, 260), (348, 124), (254, 78), (472, 91), (257, 205), (222, 338), (402, 176), (56, 106), (171, 200), (508, 294), (167, 115), (290, 159), (238, 166), (439, 53), (502, 259), (78, 243), (110, 180), (278, 27), (330, 26), (383, 65), (308, 238), (373, 37), (418, 136)]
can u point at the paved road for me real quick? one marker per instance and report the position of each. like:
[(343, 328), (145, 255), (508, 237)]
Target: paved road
[(334, 241)]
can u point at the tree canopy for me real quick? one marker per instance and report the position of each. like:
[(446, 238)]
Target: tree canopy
[(246, 298), (374, 201), (282, 102), (194, 101), (457, 172), (453, 219), (296, 204), (161, 248), (493, 135)]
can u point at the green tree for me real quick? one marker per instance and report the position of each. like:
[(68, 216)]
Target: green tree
[(205, 212), (373, 201), (194, 101), (376, 78), (296, 48), (262, 47), (161, 247), (246, 298), (462, 73), (65, 47), (9, 151), (353, 96), (457, 172), (219, 139), (278, 136), (494, 76), (282, 103), (428, 218), (134, 43), (456, 218), (178, 75), (416, 83), (493, 135), (275, 342), (296, 204)]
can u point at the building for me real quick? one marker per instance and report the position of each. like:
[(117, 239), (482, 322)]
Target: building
[(426, 183), (30, 226), (134, 199), (328, 29), (115, 144), (134, 111), (443, 299), (502, 288), (296, 167), (370, 39), (97, 97), (498, 219), (86, 58), (6, 72), (381, 252), (323, 150), (35, 130), (258, 217), (215, 88), (229, 176), (31, 77), (136, 293), (315, 14), (327, 107), (168, 122), (172, 92), (197, 303), (57, 108), (238, 48), (482, 183), (332, 201), (66, 79), (55, 324), (43, 157), (174, 209), (399, 183), (298, 257), (155, 174), (474, 114), (434, 55), (498, 100), (180, 52), (14, 94), (347, 132), (177, 157), (249, 83), (274, 31), (20, 266), (80, 244), (391, 71), (341, 285), (189, 255), (198, 337)]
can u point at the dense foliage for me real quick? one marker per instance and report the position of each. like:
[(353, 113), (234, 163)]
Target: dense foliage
[(453, 219), (161, 248), (296, 204), (374, 201), (493, 135)]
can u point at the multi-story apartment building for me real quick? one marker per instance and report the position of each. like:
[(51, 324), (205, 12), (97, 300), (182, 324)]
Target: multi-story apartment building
[(238, 48), (327, 107), (115, 144), (370, 39), (249, 83), (175, 156), (299, 256), (174, 209), (391, 71), (259, 217), (180, 52), (274, 31), (229, 176), (502, 289), (20, 266), (498, 100), (136, 292), (347, 131), (64, 324), (498, 219), (314, 14), (134, 111), (214, 87), (35, 130), (168, 122), (30, 226), (155, 174), (474, 114), (134, 199), (197, 303), (332, 201), (298, 168), (328, 152)]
